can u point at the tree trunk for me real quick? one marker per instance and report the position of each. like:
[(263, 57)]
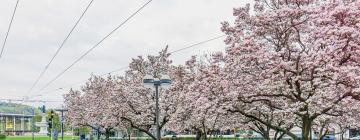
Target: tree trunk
[(264, 132), (275, 136), (128, 133), (265, 135), (280, 136), (205, 132), (342, 132), (210, 134), (198, 135), (322, 136), (306, 128), (107, 134), (320, 133)]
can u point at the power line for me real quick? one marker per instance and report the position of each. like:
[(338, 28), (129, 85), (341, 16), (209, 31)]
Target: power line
[(8, 30), (120, 69), (92, 48), (80, 82), (61, 46), (196, 44)]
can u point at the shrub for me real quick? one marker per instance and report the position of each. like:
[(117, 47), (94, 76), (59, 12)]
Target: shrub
[(2, 136)]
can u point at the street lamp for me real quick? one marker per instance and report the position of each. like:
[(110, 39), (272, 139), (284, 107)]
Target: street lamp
[(149, 82), (62, 110)]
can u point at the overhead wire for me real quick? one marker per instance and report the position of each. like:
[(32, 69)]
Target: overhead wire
[(83, 81), (60, 47), (92, 48), (8, 30), (196, 44), (123, 68)]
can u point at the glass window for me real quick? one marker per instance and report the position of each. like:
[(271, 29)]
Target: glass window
[(27, 124), (9, 123), (18, 124), (2, 124)]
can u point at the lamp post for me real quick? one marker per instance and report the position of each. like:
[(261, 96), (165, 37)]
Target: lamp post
[(149, 82), (62, 110)]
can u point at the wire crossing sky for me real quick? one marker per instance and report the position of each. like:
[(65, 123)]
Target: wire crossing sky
[(61, 46), (96, 45), (8, 30), (123, 68), (40, 27)]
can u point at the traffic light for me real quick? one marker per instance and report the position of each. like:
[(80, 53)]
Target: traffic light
[(51, 117), (52, 114), (50, 123)]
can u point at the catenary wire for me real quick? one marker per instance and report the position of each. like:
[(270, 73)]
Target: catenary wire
[(92, 48), (83, 81), (8, 30), (196, 44), (61, 46), (123, 68)]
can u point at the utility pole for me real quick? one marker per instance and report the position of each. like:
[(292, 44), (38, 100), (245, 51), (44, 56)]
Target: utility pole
[(33, 124), (157, 84), (62, 110)]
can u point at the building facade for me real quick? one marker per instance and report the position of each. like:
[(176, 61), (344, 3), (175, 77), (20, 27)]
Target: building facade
[(15, 124)]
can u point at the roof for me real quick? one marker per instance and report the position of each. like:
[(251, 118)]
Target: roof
[(14, 115)]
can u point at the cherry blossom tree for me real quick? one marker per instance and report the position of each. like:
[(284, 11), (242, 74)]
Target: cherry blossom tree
[(200, 89), (96, 105), (140, 101), (298, 56), (122, 102)]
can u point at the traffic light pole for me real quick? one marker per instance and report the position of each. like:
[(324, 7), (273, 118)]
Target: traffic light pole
[(33, 125), (51, 134), (51, 123), (62, 121), (62, 125)]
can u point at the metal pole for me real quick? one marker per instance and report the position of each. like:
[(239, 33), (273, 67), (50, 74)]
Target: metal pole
[(62, 125), (157, 111), (62, 110), (33, 124), (51, 131)]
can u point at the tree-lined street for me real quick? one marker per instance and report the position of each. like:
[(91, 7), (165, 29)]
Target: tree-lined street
[(290, 70)]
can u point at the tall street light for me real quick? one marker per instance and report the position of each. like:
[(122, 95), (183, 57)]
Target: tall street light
[(164, 82), (62, 110)]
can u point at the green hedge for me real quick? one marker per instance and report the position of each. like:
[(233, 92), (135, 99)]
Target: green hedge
[(2, 136)]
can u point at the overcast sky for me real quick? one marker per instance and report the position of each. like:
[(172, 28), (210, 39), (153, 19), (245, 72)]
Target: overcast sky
[(41, 25)]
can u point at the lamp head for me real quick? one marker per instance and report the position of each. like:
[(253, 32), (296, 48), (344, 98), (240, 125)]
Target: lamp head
[(148, 81), (165, 81)]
